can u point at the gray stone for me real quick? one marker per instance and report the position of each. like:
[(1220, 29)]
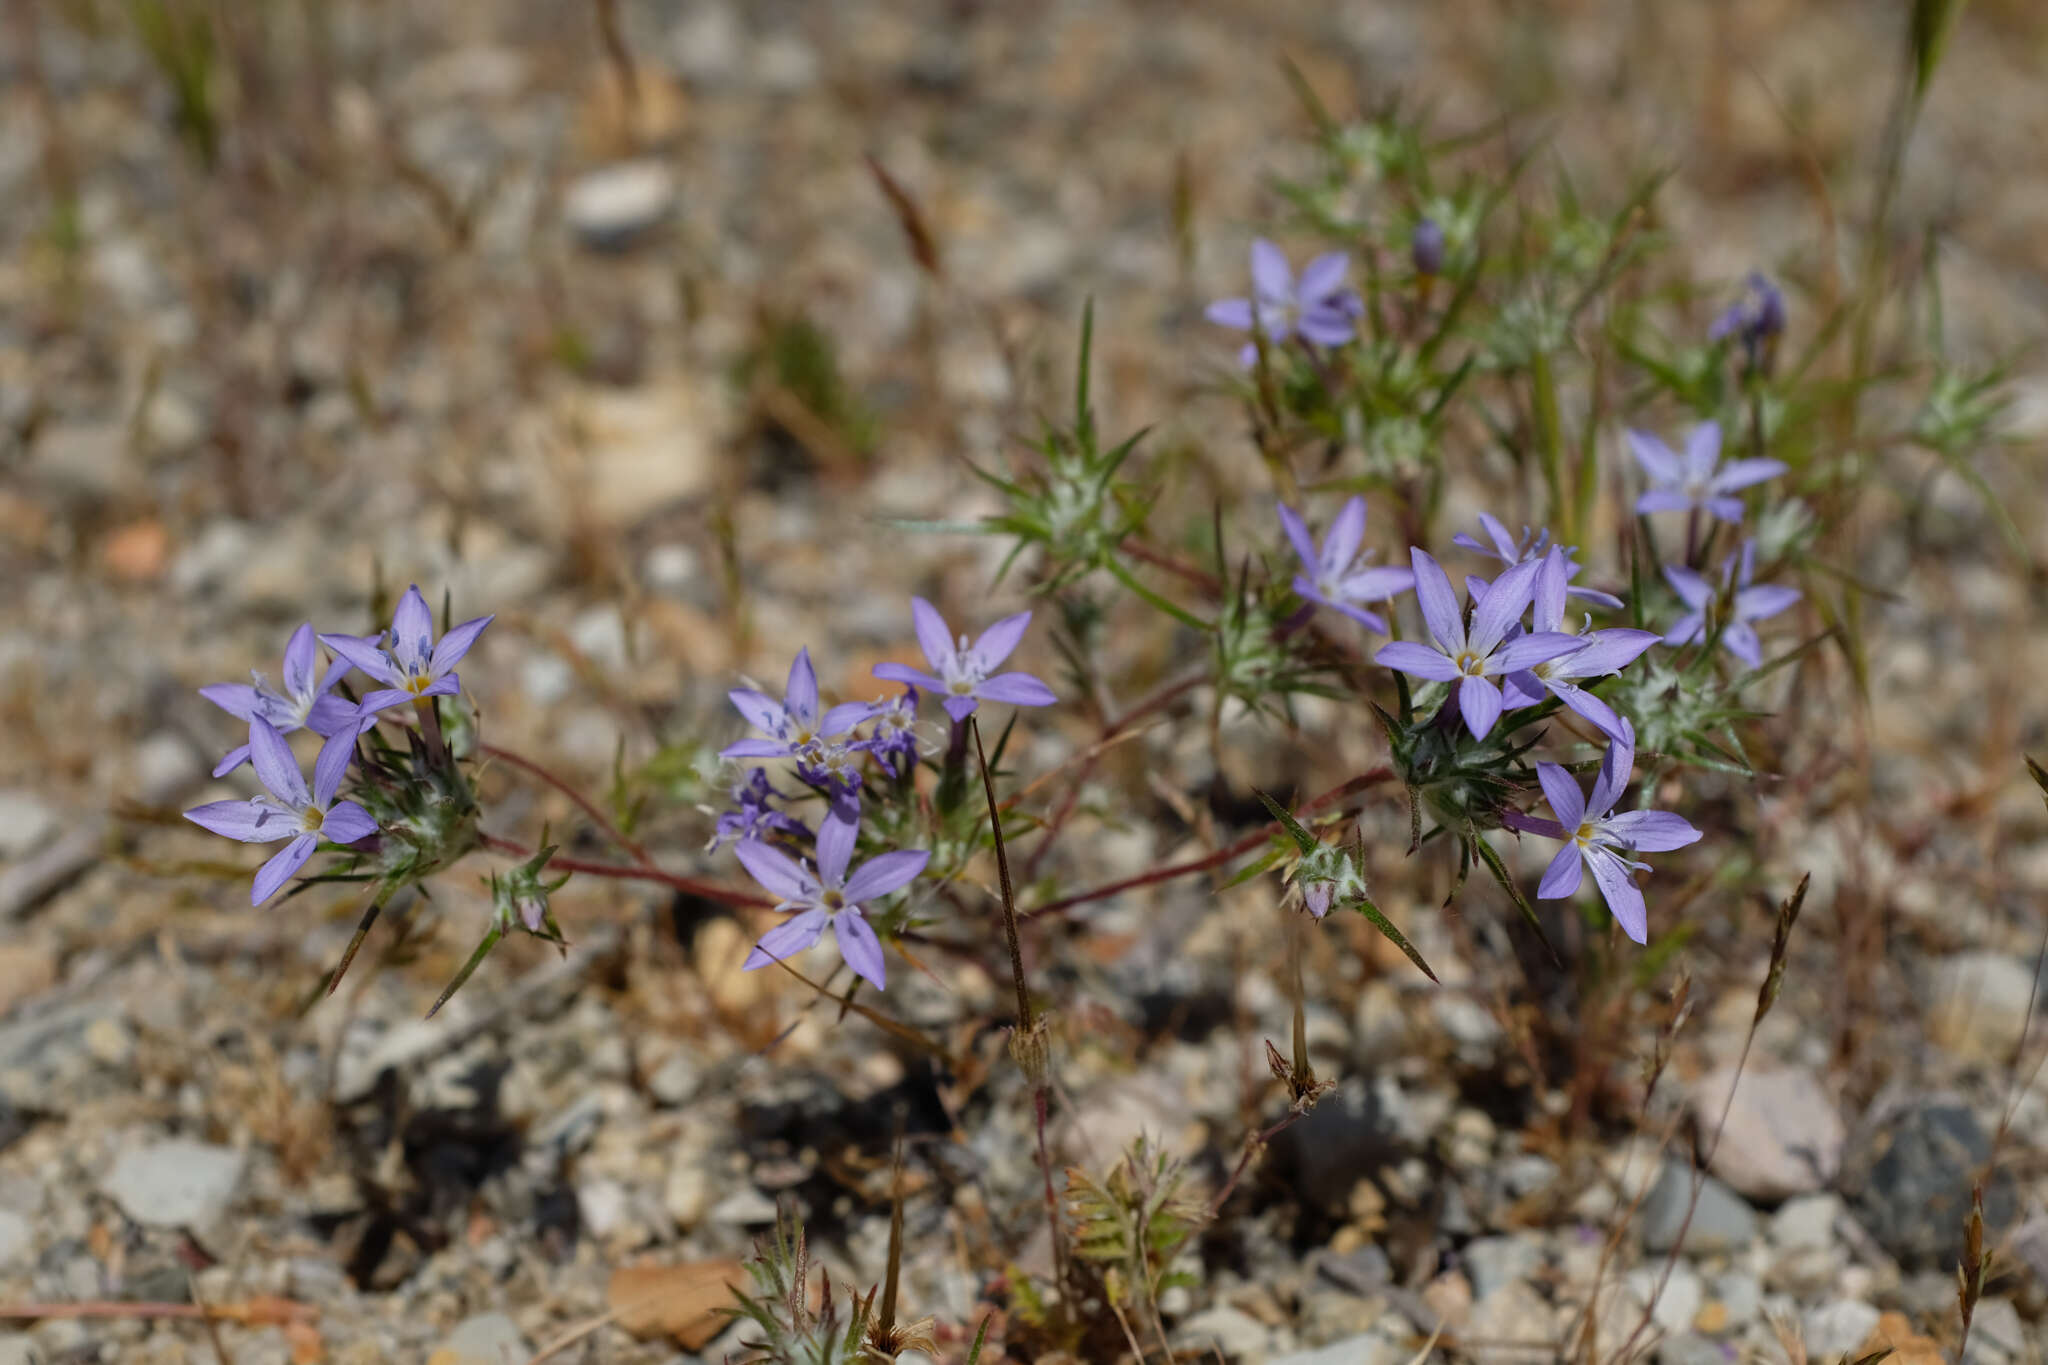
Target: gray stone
[(175, 1183), (1720, 1221), (1367, 1348), (1807, 1222), (1349, 1135), (1515, 1313), (1492, 1262), (486, 1339), (1910, 1177), (1837, 1328), (17, 1238), (1235, 1333), (1996, 1334), (1680, 1301), (1782, 1136), (744, 1207), (612, 208), (1468, 1023), (18, 1348), (1978, 1005), (26, 822), (1742, 1295)]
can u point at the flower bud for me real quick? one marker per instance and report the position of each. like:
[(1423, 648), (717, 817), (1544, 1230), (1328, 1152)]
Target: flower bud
[(1426, 247)]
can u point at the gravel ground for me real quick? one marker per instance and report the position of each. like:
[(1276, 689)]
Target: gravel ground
[(449, 307)]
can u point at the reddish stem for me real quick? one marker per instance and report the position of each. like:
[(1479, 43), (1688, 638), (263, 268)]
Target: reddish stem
[(643, 872), (583, 803), (1216, 859)]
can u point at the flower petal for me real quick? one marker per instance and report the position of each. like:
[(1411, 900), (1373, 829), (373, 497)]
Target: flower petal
[(1739, 639), (1561, 790), (276, 769), (1692, 589), (1347, 533), (1763, 602), (1439, 604), (331, 766), (1299, 537), (412, 631), (755, 748), (998, 642), (757, 709), (1230, 313), (1561, 878), (346, 823), (1607, 651), (1530, 824), (1505, 547), (1376, 584), (363, 652), (1372, 621), (1526, 651), (932, 636), (381, 699), (844, 717), (781, 875), (1405, 656), (1272, 277), (1481, 703), (959, 708), (279, 869), (234, 759), (1323, 277), (836, 838), (450, 648), (787, 939), (800, 693), (1727, 509), (301, 653), (1553, 578), (1702, 451), (1325, 326), (330, 715), (1652, 831), (252, 822), (1523, 688), (884, 873), (1604, 717), (1658, 460), (1505, 601), (1617, 766), (237, 699), (1018, 689), (908, 676), (859, 946), (1686, 630), (1742, 473), (1618, 887), (1663, 500)]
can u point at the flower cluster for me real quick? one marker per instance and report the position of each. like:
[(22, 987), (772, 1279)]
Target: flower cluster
[(414, 667), (827, 750), (1318, 308)]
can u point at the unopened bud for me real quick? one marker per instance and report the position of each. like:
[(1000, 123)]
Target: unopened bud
[(1426, 247), (1031, 1050)]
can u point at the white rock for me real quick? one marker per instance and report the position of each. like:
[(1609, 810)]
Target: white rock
[(1806, 1222), (175, 1183), (1367, 1348), (687, 1193), (603, 1204), (1235, 1333), (1680, 1302), (744, 1207), (1979, 1005), (26, 822), (17, 1238), (1495, 1262), (486, 1339), (610, 209), (1782, 1136), (1837, 1328), (18, 1348)]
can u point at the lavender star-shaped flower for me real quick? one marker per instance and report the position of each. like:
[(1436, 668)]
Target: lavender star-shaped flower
[(1474, 659), (1337, 575), (1532, 545), (289, 811), (1598, 840), (893, 738), (1606, 651), (792, 723), (1319, 309), (965, 674), (1696, 481), (416, 666), (829, 896), (305, 703), (1744, 604)]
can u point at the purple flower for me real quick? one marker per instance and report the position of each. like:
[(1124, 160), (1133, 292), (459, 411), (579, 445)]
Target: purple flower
[(289, 811), (1697, 480), (1338, 576), (415, 666), (893, 740), (1532, 545), (830, 896), (1426, 247), (1319, 309), (1756, 319), (305, 703), (1606, 651), (793, 723), (1744, 604), (752, 817), (1473, 659), (963, 671), (1603, 841)]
